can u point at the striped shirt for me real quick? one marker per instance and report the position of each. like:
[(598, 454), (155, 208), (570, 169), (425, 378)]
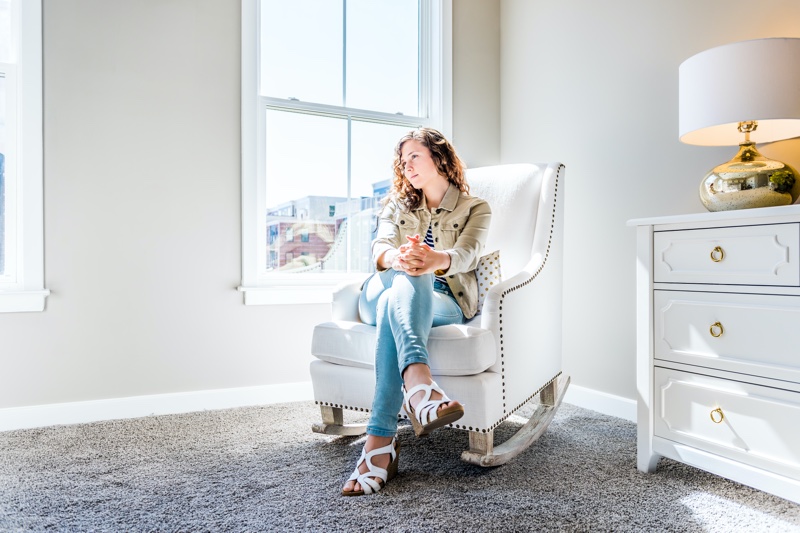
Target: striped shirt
[(429, 242)]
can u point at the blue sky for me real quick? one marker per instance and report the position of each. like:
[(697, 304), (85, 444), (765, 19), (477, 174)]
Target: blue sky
[(302, 58)]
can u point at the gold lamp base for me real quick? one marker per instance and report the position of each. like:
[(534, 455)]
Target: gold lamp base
[(749, 180)]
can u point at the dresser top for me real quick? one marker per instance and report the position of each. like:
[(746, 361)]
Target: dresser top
[(722, 217)]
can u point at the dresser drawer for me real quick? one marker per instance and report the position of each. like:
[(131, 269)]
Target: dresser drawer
[(756, 425), (747, 333), (743, 255)]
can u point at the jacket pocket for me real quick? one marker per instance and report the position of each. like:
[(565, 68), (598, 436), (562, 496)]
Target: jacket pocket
[(407, 223), (455, 224)]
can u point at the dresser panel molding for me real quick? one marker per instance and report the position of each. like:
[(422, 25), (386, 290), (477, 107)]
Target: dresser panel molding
[(741, 421), (718, 344), (727, 331), (745, 255)]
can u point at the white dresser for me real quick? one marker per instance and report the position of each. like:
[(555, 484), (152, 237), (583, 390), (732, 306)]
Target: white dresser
[(718, 344)]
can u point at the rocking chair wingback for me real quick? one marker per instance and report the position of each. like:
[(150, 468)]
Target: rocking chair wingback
[(499, 360)]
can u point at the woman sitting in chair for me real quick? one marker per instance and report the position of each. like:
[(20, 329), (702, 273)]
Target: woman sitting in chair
[(430, 238)]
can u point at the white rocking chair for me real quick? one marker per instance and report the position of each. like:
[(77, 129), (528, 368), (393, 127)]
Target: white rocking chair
[(499, 360)]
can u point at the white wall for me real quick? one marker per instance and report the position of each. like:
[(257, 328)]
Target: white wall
[(594, 85)]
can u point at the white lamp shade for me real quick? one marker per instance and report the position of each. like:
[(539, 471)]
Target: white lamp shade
[(749, 80)]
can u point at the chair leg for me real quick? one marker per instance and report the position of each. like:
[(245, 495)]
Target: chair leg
[(481, 443), (482, 451), (547, 396), (333, 423)]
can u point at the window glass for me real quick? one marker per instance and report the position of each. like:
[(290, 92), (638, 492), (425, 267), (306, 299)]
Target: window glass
[(383, 55), (305, 154), (301, 50), (5, 31), (306, 171), (340, 81), (3, 150), (373, 155), (371, 178), (21, 217)]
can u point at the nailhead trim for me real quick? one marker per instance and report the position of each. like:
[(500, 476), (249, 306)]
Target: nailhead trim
[(504, 417), (328, 404), (457, 426)]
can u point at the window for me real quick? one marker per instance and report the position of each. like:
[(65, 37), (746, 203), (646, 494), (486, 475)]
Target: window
[(328, 86), (21, 223)]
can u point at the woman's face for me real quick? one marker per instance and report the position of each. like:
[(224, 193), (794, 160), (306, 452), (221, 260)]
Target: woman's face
[(418, 166)]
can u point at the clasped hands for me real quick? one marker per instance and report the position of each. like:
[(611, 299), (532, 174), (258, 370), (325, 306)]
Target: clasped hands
[(416, 258)]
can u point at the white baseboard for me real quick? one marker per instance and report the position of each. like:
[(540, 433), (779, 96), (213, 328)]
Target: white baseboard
[(602, 402), (157, 404), (187, 402)]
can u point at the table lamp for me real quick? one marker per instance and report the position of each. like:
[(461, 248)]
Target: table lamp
[(743, 93)]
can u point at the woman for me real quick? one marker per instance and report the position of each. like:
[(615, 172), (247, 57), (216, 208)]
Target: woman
[(430, 237)]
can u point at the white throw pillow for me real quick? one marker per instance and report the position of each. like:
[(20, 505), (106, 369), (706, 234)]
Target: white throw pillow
[(488, 274)]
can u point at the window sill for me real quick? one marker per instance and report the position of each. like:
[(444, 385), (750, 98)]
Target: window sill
[(296, 292), (286, 295), (23, 301)]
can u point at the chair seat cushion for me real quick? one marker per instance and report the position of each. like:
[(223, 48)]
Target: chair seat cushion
[(455, 350)]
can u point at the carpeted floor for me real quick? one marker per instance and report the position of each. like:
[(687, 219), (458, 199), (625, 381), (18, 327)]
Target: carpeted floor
[(262, 469)]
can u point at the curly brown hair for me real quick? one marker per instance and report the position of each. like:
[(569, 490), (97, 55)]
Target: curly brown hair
[(444, 156)]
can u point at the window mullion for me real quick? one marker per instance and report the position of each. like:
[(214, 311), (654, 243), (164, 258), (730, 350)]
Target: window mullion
[(423, 8), (349, 228), (344, 53)]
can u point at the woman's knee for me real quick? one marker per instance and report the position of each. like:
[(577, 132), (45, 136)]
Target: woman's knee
[(425, 280), (407, 285)]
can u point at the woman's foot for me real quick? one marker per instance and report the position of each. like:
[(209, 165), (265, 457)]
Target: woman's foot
[(420, 374), (425, 402), (382, 461)]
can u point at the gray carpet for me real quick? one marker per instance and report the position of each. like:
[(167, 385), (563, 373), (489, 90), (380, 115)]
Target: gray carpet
[(261, 469)]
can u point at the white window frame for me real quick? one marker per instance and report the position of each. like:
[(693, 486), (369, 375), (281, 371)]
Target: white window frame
[(262, 288), (22, 284)]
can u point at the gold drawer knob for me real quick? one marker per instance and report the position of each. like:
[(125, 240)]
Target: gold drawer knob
[(717, 254), (716, 416), (716, 329)]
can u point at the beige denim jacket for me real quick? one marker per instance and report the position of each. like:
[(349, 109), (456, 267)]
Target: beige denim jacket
[(459, 225)]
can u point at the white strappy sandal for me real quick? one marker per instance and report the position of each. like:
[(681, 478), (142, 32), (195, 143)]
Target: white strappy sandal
[(368, 484), (427, 417)]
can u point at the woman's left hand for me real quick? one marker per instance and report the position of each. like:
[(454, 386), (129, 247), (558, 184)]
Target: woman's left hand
[(417, 258)]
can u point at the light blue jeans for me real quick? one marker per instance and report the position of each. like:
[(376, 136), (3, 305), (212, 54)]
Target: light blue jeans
[(404, 308)]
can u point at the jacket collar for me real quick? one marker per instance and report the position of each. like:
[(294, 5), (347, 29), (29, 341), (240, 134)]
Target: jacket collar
[(449, 201)]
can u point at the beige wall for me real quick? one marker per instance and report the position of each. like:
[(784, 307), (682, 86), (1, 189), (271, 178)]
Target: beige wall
[(595, 85), (476, 85)]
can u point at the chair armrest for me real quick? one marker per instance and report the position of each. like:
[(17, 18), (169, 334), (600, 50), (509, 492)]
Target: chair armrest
[(523, 284), (345, 301)]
